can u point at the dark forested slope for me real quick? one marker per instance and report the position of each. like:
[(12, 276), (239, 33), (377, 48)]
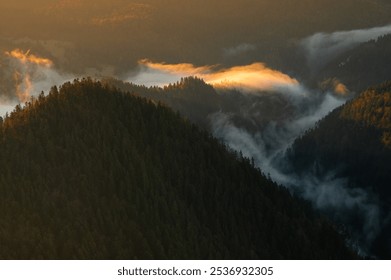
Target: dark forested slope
[(354, 141), (89, 172), (355, 138), (368, 64), (198, 101)]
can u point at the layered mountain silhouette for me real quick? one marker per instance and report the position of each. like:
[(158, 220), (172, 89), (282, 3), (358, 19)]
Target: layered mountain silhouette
[(367, 64), (354, 141), (91, 172)]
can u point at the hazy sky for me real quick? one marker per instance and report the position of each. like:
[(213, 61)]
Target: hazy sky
[(107, 36), (110, 38)]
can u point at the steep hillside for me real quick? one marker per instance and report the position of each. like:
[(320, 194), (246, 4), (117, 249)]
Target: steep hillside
[(191, 96), (351, 137), (89, 172), (354, 141), (197, 101), (367, 64)]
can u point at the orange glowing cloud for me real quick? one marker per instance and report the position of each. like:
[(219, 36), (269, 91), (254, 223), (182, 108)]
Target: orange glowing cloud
[(26, 57), (255, 76), (335, 86), (27, 70), (341, 89), (23, 86), (177, 69)]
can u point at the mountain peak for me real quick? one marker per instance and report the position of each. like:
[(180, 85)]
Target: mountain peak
[(103, 174)]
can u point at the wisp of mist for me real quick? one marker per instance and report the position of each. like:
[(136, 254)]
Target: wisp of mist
[(268, 145), (23, 75)]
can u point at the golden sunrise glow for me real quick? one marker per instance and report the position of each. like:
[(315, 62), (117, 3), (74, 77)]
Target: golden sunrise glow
[(23, 86), (336, 86), (24, 71), (184, 69), (341, 89), (26, 57), (255, 76)]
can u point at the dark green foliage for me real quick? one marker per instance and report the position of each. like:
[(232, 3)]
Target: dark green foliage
[(197, 101), (89, 172), (351, 137), (191, 96), (355, 142)]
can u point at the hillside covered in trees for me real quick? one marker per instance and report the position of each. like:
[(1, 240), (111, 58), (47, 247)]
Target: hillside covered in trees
[(367, 64), (197, 101), (354, 141), (90, 172)]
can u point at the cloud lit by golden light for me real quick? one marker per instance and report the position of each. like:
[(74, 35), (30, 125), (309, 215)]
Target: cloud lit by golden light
[(26, 57), (23, 86), (336, 86), (25, 61), (256, 76)]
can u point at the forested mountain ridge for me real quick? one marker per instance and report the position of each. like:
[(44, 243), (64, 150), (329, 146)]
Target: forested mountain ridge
[(353, 141), (197, 101), (373, 109), (191, 96), (360, 128), (367, 64), (90, 172)]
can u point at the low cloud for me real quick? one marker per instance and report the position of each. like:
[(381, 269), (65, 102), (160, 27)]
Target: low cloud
[(250, 78), (328, 193), (272, 141), (26, 57), (336, 86), (333, 196), (321, 48), (23, 75)]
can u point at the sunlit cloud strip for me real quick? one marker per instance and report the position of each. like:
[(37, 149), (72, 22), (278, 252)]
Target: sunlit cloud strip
[(22, 72), (31, 74), (255, 76), (26, 57)]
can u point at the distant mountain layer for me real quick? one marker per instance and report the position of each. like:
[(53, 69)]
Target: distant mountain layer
[(197, 101), (352, 136), (355, 142), (365, 65), (372, 109), (90, 172)]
